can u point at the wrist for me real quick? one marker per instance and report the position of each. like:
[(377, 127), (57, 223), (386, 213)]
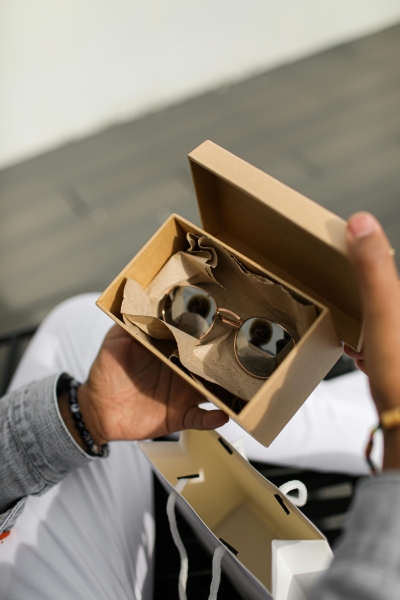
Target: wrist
[(391, 452), (90, 415), (79, 415), (63, 405)]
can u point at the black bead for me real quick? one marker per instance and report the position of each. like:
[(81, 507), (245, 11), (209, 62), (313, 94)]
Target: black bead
[(81, 425), (104, 451), (85, 435), (77, 416)]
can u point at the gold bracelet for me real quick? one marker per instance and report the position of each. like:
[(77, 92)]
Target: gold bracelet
[(390, 419)]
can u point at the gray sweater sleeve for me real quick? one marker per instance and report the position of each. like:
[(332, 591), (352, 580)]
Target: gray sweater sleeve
[(36, 449), (367, 559)]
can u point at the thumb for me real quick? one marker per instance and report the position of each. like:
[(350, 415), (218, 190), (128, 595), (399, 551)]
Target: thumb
[(198, 418), (370, 253)]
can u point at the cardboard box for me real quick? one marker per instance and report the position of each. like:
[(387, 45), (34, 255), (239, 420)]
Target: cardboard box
[(273, 231)]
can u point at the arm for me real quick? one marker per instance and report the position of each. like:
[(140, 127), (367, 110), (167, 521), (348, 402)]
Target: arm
[(36, 449), (129, 395), (367, 559)]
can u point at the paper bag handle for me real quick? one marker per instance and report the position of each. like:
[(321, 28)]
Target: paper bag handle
[(183, 573), (290, 486)]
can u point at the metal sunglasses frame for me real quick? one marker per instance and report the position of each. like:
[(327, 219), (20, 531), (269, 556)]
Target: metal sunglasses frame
[(237, 323)]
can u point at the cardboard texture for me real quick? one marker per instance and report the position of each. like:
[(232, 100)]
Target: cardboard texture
[(279, 552), (279, 229), (274, 232)]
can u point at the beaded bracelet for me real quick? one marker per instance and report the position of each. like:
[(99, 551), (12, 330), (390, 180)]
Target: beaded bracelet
[(94, 449), (389, 419), (368, 450)]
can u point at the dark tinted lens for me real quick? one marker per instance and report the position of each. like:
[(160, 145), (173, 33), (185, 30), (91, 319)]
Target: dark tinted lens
[(190, 309), (261, 345)]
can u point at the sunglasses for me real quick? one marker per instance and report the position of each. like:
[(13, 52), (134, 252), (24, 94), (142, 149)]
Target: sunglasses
[(259, 343)]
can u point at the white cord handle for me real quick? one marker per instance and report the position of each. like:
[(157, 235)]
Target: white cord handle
[(290, 486), (216, 572), (183, 573)]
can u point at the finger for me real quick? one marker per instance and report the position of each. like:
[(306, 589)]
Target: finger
[(369, 252), (353, 354), (375, 270), (361, 365), (198, 418)]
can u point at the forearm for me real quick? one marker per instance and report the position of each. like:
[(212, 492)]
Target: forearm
[(36, 448), (367, 559)]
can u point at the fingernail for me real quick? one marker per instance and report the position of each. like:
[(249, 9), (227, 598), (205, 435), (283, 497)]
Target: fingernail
[(362, 224)]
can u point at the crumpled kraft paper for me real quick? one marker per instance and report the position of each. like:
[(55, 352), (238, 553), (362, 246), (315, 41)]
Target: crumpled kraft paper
[(211, 267)]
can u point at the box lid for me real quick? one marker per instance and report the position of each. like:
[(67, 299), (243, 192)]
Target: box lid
[(280, 229)]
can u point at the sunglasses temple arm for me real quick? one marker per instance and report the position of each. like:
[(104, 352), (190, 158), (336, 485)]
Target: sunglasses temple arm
[(238, 323)]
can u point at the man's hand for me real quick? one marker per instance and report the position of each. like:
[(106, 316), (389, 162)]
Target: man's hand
[(131, 395), (376, 274)]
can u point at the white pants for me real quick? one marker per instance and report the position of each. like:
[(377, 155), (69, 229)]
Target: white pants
[(92, 535), (328, 433)]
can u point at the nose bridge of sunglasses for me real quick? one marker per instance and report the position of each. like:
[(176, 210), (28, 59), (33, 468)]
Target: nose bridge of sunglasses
[(236, 322)]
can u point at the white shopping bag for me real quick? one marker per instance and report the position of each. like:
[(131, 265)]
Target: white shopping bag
[(273, 550)]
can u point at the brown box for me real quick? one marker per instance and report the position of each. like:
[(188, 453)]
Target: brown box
[(273, 231)]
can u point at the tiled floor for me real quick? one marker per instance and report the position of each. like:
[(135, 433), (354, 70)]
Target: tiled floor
[(329, 126)]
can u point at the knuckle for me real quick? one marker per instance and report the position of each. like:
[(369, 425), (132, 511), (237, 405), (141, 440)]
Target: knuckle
[(192, 418)]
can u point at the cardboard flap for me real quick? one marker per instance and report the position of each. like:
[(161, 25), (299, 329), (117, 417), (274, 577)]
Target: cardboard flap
[(283, 231)]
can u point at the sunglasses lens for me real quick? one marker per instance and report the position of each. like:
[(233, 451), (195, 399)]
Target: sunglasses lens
[(259, 342), (190, 309)]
